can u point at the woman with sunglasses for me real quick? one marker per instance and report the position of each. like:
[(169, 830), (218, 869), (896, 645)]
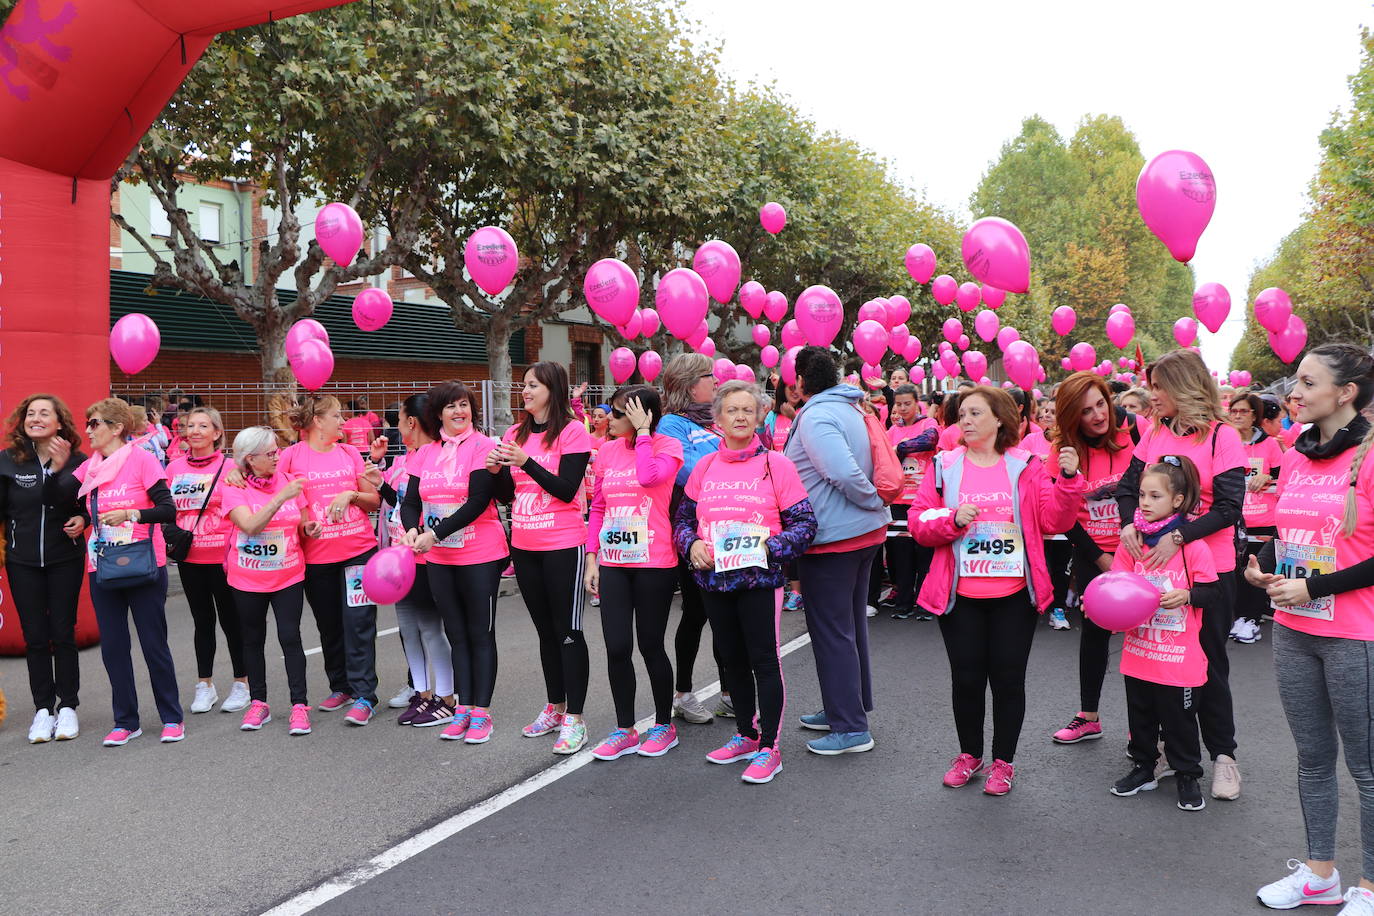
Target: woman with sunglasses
[(1262, 457), (127, 500)]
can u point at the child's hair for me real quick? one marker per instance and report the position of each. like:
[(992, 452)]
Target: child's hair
[(1183, 480)]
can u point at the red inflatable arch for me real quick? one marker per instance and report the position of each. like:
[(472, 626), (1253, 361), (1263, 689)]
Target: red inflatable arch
[(80, 82)]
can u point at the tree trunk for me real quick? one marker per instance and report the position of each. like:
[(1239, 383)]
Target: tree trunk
[(499, 370), (271, 332)]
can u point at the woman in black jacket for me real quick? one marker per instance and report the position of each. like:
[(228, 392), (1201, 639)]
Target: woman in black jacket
[(43, 526)]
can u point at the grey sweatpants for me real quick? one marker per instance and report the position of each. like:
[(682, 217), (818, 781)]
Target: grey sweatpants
[(1327, 687)]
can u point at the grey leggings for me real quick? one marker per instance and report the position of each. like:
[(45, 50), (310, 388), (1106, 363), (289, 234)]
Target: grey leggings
[(1326, 684)]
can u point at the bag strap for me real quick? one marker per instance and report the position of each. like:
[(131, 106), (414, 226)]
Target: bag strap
[(210, 492)]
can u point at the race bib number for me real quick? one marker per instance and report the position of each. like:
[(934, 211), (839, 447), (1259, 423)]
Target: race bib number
[(353, 587), (110, 534), (1303, 561), (912, 474), (992, 550), (625, 539), (263, 552), (434, 513), (739, 545), (1173, 620), (1102, 513), (189, 491)]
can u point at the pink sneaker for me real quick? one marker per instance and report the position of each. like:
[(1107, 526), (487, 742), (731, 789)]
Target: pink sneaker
[(360, 713), (547, 721), (479, 731), (763, 766), (458, 728), (258, 715), (658, 741), (171, 734), (618, 743), (736, 749), (121, 736), (1078, 729), (335, 700), (961, 770), (300, 720), (1000, 775)]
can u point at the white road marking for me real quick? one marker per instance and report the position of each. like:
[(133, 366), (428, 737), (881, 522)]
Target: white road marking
[(388, 859), (318, 649)]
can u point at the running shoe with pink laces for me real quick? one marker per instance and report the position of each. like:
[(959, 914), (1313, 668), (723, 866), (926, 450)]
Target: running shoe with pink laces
[(479, 729), (1078, 729), (299, 723), (658, 741), (763, 766), (961, 770), (457, 729), (172, 733), (1000, 776), (545, 722), (736, 749), (618, 743), (121, 736), (258, 715), (336, 700)]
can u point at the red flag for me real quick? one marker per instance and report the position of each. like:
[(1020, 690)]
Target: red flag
[(1139, 359)]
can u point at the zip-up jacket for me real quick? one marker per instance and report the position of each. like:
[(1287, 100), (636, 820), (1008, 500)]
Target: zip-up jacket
[(34, 505)]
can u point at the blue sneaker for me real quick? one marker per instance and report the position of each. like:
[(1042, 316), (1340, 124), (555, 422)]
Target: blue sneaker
[(816, 721), (841, 743), (792, 602)]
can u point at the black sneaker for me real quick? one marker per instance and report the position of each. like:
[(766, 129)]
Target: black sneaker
[(1189, 794), (903, 615), (1140, 779), (922, 615)]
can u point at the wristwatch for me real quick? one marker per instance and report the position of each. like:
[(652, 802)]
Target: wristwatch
[(134, 516), (1177, 537)]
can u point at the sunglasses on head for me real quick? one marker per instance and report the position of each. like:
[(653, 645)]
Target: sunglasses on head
[(617, 413)]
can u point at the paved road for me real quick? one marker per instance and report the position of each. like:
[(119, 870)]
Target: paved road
[(232, 822)]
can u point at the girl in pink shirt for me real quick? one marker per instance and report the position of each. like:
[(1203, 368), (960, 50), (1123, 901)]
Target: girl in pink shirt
[(1163, 661), (547, 454), (631, 564), (266, 567), (1263, 453)]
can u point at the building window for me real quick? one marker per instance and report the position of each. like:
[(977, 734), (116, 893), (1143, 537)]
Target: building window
[(210, 215), (158, 223), (586, 363)]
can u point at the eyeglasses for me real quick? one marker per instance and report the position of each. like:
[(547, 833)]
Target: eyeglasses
[(270, 456), (617, 413), (1239, 411), (93, 422)]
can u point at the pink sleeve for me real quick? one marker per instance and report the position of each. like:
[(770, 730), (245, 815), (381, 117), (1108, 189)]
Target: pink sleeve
[(1230, 452), (595, 515), (692, 489), (578, 410), (232, 498), (655, 461), (1059, 500), (150, 472), (929, 519), (1275, 456), (356, 459), (574, 439), (1201, 566)]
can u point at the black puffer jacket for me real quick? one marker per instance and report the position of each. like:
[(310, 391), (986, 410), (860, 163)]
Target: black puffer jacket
[(34, 505)]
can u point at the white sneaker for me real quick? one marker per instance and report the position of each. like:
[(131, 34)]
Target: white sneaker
[(690, 708), (67, 726), (596, 601), (1235, 627), (40, 732), (206, 697), (402, 699), (1358, 902), (1248, 632), (238, 698), (1057, 619), (871, 611), (1226, 779), (1301, 887)]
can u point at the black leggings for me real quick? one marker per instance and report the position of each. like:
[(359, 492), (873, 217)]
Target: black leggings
[(687, 640), (466, 599), (1251, 603), (288, 604), (1093, 641), (988, 641), (1216, 717), (745, 625), (209, 596), (46, 598), (636, 601), (551, 583), (1059, 557)]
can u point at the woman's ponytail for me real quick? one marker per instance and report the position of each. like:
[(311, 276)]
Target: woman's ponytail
[(1348, 519)]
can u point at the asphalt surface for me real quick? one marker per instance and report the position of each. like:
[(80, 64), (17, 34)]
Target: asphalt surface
[(236, 822)]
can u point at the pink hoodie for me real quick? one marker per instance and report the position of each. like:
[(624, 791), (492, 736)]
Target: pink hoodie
[(1044, 506)]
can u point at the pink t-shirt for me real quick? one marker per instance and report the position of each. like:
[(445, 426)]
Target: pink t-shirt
[(398, 478), (635, 530), (755, 491), (1218, 452), (1167, 651), (538, 521), (326, 475), (270, 560), (1098, 514), (1291, 434), (949, 438), (991, 543), (590, 478), (914, 467), (357, 432), (128, 490), (444, 490), (1310, 509), (782, 427), (1036, 443), (1261, 457), (189, 484)]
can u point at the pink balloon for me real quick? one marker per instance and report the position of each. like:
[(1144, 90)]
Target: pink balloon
[(819, 313), (769, 356), (631, 328), (772, 217), (944, 289), (788, 367), (993, 297), (975, 364), (1120, 600), (1244, 377), (775, 306), (612, 290), (1008, 385), (339, 232), (372, 309), (873, 310), (1082, 356), (913, 350), (898, 338), (996, 253), (698, 334), (871, 375), (682, 301), (918, 375), (1063, 320), (1006, 336), (792, 335), (1065, 364), (953, 328), (491, 259), (1104, 368), (305, 329), (649, 323), (134, 342), (762, 335), (1185, 331), (1122, 362), (963, 343), (389, 575), (1211, 304), (1120, 328), (1272, 308), (1119, 307), (707, 347), (1289, 342), (950, 363), (623, 364), (898, 310), (718, 264), (745, 373), (313, 363), (724, 370), (752, 298), (939, 372), (650, 365), (1176, 195), (1021, 363), (986, 325), (944, 345), (870, 341), (920, 262), (968, 296)]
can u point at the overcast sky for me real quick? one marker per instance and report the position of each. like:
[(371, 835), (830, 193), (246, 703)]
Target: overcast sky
[(937, 90)]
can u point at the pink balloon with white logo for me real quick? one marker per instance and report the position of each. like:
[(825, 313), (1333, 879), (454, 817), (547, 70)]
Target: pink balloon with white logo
[(649, 322), (339, 231), (717, 263), (724, 370), (1176, 195), (772, 217), (995, 253), (491, 259), (313, 363), (623, 364), (372, 309), (819, 313), (305, 329), (612, 290), (873, 310), (682, 301), (792, 335), (389, 574), (1211, 304)]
